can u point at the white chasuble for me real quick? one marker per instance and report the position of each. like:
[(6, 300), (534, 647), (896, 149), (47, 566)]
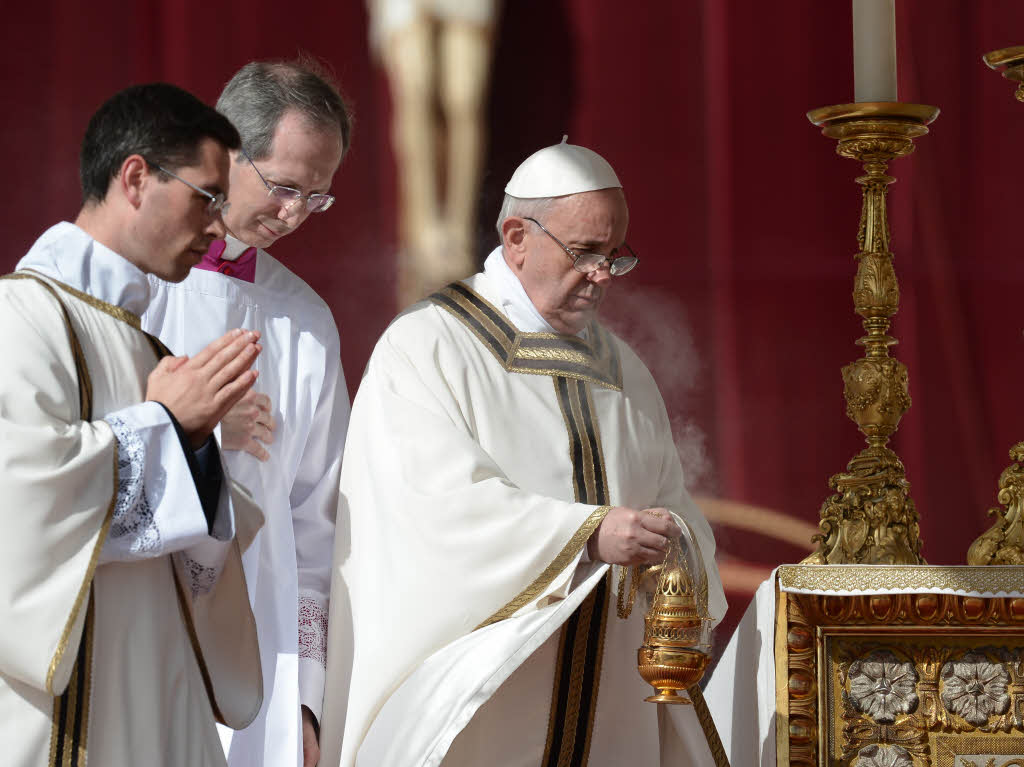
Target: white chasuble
[(467, 624), (126, 626)]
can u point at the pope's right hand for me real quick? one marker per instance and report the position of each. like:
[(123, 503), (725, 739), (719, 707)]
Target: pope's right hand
[(201, 389), (632, 537)]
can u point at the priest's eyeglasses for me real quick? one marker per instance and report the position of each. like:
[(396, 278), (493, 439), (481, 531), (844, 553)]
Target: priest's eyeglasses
[(591, 262), (218, 202), (286, 196)]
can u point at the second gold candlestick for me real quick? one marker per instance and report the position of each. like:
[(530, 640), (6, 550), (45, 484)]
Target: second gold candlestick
[(871, 518)]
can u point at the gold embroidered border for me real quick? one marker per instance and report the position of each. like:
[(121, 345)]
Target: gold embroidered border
[(603, 608), (577, 491), (577, 375), (563, 355), (117, 312), (69, 731), (949, 747), (85, 412), (989, 579), (588, 458), (566, 717), (593, 608), (599, 463), (86, 587), (465, 309), (596, 363), (81, 368), (707, 724), (542, 581), (575, 686)]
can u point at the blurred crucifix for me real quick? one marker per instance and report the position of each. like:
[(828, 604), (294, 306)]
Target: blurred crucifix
[(437, 55)]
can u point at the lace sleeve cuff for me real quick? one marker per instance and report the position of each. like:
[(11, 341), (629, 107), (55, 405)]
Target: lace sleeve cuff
[(313, 630), (157, 509), (133, 529), (312, 653)]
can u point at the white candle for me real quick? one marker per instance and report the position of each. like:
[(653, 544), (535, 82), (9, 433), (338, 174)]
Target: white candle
[(874, 50)]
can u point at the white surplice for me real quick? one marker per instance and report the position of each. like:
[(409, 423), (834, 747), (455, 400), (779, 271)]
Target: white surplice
[(127, 630), (480, 458), (288, 565)]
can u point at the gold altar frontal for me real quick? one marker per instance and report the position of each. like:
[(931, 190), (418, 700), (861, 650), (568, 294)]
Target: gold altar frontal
[(900, 666)]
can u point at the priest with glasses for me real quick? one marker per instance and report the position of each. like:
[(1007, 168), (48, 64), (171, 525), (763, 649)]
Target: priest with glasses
[(284, 440), (508, 459)]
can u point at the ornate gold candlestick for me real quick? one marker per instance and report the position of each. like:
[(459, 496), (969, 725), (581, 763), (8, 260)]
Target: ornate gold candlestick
[(871, 518), (1003, 543), (1010, 61)]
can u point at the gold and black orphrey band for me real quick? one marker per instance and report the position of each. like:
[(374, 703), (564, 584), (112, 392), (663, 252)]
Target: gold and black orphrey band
[(581, 646), (70, 729)]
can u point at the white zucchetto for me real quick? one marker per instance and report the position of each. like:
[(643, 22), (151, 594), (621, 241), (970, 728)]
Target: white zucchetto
[(562, 169)]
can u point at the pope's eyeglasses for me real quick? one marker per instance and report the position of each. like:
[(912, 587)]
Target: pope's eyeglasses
[(218, 202), (591, 262), (286, 196)]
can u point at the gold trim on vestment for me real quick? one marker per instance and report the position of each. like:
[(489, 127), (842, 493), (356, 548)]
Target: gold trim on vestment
[(590, 485), (564, 355), (542, 581), (577, 491), (603, 607), (988, 579), (599, 464), (69, 729), (591, 459), (593, 360), (85, 413), (117, 312), (578, 666), (592, 608), (81, 368), (86, 586), (707, 724)]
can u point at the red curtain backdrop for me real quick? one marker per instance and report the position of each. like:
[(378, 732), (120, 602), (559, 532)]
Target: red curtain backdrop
[(742, 213)]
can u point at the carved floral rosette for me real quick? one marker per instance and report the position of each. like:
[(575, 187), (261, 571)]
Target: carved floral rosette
[(905, 679)]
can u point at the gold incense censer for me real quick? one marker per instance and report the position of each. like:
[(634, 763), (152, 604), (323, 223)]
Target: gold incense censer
[(677, 627)]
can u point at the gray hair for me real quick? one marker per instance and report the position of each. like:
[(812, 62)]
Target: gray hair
[(261, 92), (524, 207)]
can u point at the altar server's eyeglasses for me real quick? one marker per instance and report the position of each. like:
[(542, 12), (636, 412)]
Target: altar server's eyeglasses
[(286, 196), (218, 202), (591, 262)]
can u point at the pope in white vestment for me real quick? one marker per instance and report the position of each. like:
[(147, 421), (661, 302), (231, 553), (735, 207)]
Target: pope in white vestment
[(288, 565), (126, 628), (469, 623)]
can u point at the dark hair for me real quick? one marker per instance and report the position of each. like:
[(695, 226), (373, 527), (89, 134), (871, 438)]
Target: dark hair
[(261, 92), (161, 122)]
